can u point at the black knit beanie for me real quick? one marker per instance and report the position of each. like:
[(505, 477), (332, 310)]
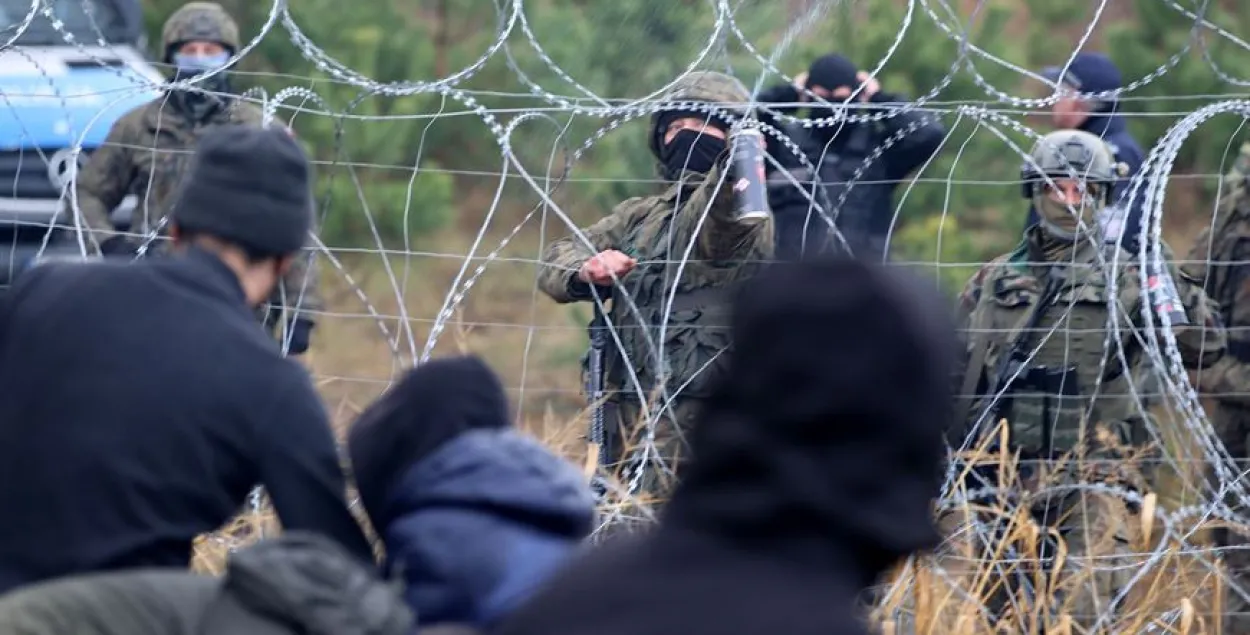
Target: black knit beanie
[(249, 186), (429, 406), (832, 72)]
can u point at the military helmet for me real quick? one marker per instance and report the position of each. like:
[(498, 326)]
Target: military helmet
[(206, 21), (1067, 153), (702, 86)]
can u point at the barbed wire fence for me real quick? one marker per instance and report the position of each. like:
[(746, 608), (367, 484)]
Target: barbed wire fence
[(899, 605)]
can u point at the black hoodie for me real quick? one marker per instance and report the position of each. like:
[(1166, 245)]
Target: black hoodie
[(814, 467)]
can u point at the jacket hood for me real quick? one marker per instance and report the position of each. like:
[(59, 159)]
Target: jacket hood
[(483, 522), (303, 582), (716, 89), (822, 445), (505, 472)]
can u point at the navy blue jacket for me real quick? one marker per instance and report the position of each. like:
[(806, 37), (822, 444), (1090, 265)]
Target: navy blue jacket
[(858, 187), (478, 525), (1113, 129), (142, 402)]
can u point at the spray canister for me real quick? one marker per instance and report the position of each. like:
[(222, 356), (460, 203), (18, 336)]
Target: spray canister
[(749, 183)]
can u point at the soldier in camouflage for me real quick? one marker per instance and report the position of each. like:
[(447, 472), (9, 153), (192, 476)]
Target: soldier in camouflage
[(1041, 354), (1220, 262), (669, 261), (147, 151)]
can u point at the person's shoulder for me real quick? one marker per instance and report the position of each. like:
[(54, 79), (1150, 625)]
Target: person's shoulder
[(246, 112), (285, 377), (60, 278), (637, 211), (142, 117)]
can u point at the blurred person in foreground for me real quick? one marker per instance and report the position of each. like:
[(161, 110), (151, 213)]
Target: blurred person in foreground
[(667, 262), (295, 584), (1041, 354), (143, 401), (840, 151), (1219, 261), (1096, 73), (148, 149), (814, 466), (474, 514)]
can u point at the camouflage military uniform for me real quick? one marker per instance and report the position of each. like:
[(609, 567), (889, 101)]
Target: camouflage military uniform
[(147, 150), (1041, 354), (672, 349), (1225, 245)]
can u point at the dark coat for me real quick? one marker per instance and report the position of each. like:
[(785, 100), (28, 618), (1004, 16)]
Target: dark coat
[(859, 183), (142, 403)]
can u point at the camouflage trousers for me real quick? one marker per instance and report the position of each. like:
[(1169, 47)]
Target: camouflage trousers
[(1232, 424), (1097, 530), (626, 433)]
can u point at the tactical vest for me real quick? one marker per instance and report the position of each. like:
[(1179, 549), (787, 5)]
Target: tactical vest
[(691, 347), (1043, 347)]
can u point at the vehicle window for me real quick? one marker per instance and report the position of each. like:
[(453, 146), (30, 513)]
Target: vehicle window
[(90, 21)]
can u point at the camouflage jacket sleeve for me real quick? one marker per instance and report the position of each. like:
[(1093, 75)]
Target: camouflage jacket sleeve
[(965, 307), (1201, 338), (722, 239), (1229, 381), (563, 258), (106, 178)]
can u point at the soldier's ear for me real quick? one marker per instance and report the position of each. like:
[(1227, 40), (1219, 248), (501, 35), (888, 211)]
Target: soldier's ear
[(175, 232)]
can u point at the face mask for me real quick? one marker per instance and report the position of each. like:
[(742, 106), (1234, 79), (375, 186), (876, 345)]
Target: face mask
[(690, 150), (186, 66), (1058, 219), (199, 105)]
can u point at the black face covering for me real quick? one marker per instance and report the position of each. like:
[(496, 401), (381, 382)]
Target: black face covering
[(200, 105), (690, 150)]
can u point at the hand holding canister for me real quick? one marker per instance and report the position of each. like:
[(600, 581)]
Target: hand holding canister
[(749, 182)]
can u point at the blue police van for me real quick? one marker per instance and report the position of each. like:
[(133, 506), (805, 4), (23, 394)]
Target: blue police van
[(54, 96)]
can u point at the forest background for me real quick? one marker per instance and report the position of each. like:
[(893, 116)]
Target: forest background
[(415, 177)]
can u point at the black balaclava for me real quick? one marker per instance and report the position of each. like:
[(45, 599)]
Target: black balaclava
[(831, 72), (692, 150), (196, 104)]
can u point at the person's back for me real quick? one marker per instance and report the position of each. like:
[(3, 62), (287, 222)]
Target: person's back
[(132, 401), (143, 401)]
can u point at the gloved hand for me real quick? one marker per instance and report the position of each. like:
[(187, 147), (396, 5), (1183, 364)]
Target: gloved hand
[(121, 245), (299, 331)]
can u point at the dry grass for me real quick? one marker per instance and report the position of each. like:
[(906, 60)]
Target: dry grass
[(1041, 580)]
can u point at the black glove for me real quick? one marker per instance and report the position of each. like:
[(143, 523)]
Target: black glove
[(299, 332), (121, 246)]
